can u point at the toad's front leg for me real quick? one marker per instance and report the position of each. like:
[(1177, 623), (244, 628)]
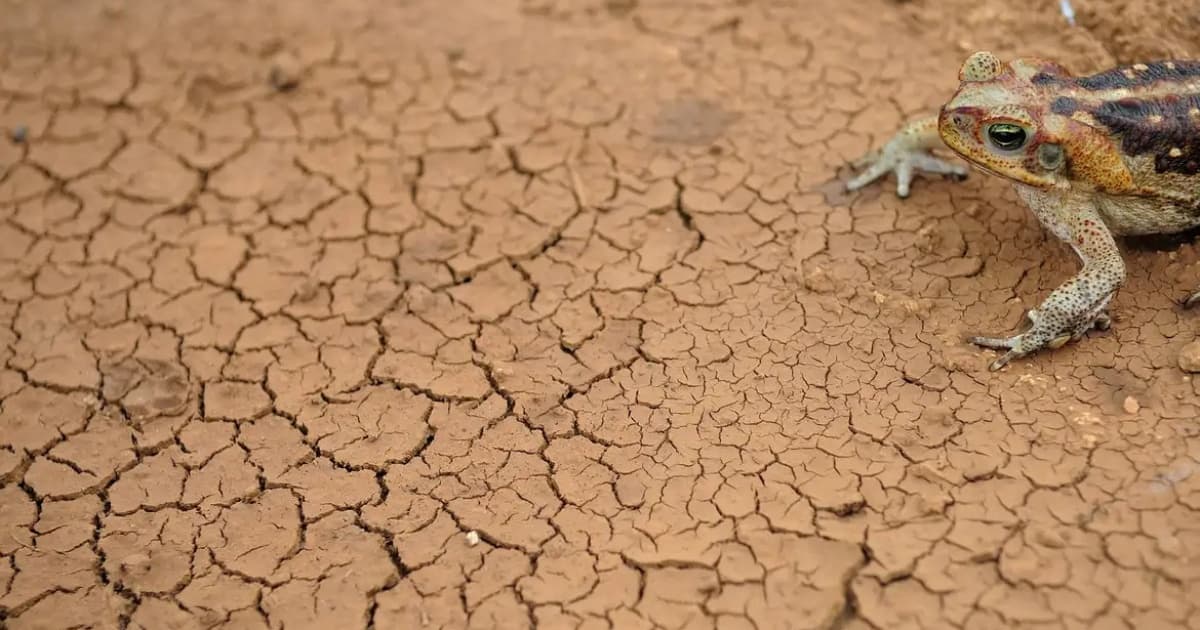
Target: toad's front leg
[(907, 153), (1079, 304)]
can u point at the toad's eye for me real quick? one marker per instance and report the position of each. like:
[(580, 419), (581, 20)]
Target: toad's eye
[(1007, 136)]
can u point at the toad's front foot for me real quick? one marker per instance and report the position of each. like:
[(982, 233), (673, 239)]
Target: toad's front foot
[(1041, 335), (905, 154)]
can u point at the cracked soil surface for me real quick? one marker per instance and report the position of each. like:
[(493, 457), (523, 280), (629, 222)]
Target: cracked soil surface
[(515, 313)]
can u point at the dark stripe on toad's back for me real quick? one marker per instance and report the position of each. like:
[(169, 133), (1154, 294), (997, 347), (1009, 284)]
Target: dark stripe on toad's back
[(1046, 78), (1161, 127), (1153, 73), (1064, 106), (1122, 77)]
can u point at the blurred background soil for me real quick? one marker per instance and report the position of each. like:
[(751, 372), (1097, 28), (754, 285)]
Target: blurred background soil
[(511, 313)]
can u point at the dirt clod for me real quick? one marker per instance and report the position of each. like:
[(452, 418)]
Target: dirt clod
[(1189, 357), (285, 72)]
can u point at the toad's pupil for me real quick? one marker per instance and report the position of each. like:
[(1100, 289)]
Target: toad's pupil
[(1007, 137)]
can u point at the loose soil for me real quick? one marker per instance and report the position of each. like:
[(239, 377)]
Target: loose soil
[(516, 313)]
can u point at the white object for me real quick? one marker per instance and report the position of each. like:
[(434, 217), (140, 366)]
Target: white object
[(1067, 11)]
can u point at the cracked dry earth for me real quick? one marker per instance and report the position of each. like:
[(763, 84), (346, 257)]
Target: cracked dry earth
[(502, 315)]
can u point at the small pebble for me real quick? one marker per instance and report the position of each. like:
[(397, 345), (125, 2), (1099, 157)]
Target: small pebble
[(285, 72), (378, 75), (1050, 538), (20, 133), (472, 538), (1131, 405), (1189, 358)]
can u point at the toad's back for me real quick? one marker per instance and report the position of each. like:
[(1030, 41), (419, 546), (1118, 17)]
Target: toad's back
[(1152, 112)]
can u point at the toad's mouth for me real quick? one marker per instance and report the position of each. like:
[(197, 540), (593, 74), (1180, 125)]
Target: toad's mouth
[(950, 137), (981, 168)]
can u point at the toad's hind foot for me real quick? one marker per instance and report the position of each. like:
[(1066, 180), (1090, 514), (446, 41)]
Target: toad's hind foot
[(1192, 301), (1018, 346), (1039, 336)]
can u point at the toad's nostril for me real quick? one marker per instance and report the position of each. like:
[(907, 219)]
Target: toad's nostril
[(961, 121)]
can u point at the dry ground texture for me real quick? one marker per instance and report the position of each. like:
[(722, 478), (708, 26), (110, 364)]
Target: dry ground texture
[(502, 314)]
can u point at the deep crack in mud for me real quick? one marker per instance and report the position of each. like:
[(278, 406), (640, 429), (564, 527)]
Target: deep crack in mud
[(496, 314)]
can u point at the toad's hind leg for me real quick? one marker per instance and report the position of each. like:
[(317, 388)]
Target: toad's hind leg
[(1192, 301), (1079, 304)]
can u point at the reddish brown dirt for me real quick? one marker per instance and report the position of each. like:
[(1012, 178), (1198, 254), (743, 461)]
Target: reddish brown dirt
[(548, 313)]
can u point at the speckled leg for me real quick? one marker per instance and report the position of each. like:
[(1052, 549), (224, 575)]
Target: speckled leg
[(905, 154), (1079, 304), (1192, 301)]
